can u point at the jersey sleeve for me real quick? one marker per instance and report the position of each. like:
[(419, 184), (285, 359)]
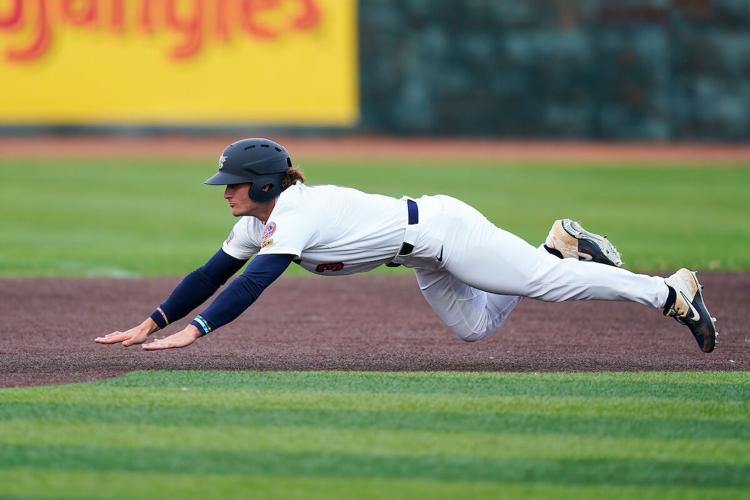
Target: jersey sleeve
[(243, 241), (290, 230), (242, 292)]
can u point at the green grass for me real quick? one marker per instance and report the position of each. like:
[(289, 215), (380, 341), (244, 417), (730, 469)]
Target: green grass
[(377, 435), (129, 218), (372, 435)]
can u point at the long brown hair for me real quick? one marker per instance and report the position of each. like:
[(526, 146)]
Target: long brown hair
[(292, 175)]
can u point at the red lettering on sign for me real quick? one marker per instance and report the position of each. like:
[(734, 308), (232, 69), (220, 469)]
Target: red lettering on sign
[(42, 33), (250, 12), (222, 20), (117, 17), (80, 12), (189, 26), (146, 15), (12, 20), (309, 16), (194, 21)]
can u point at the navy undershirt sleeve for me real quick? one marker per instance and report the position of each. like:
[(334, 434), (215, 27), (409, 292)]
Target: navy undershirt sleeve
[(196, 287), (242, 291)]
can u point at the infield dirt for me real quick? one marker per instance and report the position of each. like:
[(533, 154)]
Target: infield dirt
[(350, 323), (361, 322)]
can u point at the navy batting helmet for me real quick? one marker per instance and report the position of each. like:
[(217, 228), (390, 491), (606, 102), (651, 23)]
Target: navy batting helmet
[(259, 161)]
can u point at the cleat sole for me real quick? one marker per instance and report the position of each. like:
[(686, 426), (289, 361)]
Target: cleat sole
[(591, 246)]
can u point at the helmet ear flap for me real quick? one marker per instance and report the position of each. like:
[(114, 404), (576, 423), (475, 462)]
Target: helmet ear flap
[(266, 188)]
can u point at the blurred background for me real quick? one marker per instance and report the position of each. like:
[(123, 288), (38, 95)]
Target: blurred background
[(599, 69), (632, 116), (646, 70)]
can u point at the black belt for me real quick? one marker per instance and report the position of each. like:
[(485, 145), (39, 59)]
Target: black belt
[(407, 248)]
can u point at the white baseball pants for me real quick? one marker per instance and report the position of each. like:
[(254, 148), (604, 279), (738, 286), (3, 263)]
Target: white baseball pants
[(473, 274)]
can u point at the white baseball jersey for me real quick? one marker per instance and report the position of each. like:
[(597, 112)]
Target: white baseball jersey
[(331, 230)]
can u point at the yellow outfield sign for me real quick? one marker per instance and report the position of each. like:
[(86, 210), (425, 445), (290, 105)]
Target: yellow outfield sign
[(278, 62)]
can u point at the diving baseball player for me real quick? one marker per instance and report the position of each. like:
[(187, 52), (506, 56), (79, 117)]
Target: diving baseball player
[(471, 272)]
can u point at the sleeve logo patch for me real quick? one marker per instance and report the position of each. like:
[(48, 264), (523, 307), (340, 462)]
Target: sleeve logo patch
[(267, 243), (230, 237), (269, 230)]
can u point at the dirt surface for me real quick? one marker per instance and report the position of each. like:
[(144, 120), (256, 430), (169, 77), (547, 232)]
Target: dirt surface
[(305, 148), (350, 323), (361, 322)]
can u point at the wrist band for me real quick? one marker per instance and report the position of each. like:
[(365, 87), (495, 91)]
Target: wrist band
[(159, 317), (202, 325)]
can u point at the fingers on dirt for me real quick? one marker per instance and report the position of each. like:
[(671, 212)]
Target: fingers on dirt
[(155, 345)]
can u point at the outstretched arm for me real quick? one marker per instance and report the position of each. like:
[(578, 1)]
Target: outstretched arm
[(237, 297), (192, 291)]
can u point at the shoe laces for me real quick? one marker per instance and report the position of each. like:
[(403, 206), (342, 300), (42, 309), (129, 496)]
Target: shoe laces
[(674, 313)]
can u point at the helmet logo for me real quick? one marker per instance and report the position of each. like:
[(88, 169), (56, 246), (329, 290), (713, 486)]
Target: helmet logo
[(222, 159)]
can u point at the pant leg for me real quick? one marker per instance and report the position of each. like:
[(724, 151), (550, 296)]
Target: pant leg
[(491, 259), (473, 273), (472, 314)]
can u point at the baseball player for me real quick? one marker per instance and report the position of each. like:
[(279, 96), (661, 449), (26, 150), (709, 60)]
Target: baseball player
[(472, 273)]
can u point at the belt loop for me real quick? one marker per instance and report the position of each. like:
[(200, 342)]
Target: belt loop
[(407, 248), (411, 206), (413, 210)]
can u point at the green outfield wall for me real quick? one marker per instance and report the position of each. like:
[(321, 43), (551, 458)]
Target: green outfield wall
[(602, 69)]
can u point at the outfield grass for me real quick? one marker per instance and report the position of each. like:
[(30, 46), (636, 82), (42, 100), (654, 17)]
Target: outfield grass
[(133, 218), (377, 435)]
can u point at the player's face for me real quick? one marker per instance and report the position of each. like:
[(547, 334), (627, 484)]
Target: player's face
[(238, 197)]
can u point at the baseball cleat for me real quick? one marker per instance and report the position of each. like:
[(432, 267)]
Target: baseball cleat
[(567, 239), (685, 304)]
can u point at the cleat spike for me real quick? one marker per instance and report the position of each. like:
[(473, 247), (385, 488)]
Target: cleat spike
[(571, 240)]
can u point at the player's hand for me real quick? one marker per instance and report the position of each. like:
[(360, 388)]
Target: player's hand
[(180, 339), (136, 335)]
